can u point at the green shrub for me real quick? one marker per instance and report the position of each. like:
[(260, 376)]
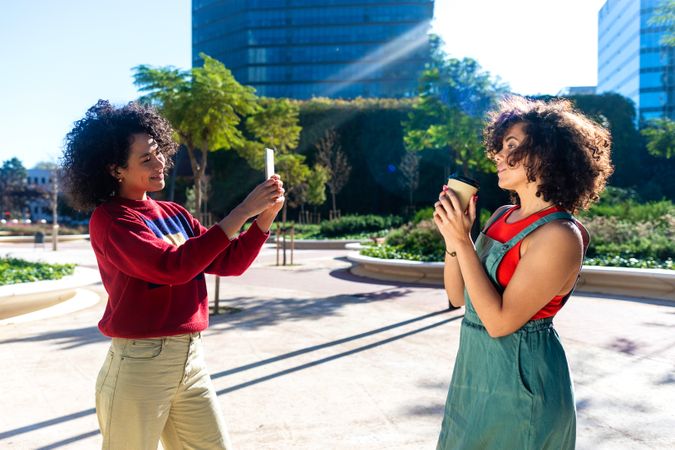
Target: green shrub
[(388, 252), (626, 234), (423, 214), (14, 270), (618, 261), (612, 237), (422, 240), (349, 225), (484, 217), (630, 210)]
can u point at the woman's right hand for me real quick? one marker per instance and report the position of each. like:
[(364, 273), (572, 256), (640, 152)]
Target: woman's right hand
[(261, 197)]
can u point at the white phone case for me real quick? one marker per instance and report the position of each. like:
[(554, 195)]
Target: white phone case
[(269, 163)]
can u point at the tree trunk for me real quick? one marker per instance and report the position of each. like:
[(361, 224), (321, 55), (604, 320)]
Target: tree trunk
[(198, 194), (334, 206), (195, 176), (198, 185), (172, 183), (284, 210)]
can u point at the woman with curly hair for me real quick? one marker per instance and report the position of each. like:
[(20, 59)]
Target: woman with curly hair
[(511, 387), (152, 256)]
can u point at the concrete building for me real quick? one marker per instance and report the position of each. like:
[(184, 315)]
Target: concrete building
[(316, 48), (631, 59), (578, 90), (40, 179)]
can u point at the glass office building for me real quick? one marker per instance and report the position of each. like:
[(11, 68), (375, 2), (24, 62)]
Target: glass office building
[(631, 59), (316, 48)]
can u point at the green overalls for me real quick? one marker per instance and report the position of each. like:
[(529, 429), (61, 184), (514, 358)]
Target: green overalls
[(514, 392)]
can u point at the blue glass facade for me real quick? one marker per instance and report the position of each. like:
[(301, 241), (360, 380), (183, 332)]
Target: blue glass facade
[(631, 59), (316, 48)]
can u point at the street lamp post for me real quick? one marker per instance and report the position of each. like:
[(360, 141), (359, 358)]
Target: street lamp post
[(55, 225)]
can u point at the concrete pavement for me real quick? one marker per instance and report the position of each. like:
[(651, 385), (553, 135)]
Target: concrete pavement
[(315, 358)]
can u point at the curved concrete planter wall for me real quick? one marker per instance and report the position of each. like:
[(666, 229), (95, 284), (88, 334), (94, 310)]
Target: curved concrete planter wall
[(650, 283), (24, 298)]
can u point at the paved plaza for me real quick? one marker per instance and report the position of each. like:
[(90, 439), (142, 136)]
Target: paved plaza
[(312, 357)]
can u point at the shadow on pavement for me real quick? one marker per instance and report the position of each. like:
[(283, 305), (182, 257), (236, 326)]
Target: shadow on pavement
[(332, 357), (58, 420), (70, 440), (322, 346), (267, 312), (68, 339), (48, 423)]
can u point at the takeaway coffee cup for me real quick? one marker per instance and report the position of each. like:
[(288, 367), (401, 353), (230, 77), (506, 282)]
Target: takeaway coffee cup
[(464, 188)]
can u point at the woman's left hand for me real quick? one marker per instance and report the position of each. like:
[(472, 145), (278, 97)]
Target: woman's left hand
[(454, 223)]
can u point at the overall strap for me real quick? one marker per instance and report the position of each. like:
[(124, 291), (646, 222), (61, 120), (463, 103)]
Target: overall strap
[(530, 228), (498, 250), (500, 212)]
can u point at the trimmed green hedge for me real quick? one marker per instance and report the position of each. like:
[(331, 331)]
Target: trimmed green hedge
[(422, 241), (618, 261), (349, 225), (14, 271), (624, 233)]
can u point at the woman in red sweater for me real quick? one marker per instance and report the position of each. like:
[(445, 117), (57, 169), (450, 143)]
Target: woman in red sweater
[(511, 387), (152, 256)]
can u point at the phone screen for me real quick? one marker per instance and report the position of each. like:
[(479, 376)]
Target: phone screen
[(269, 162)]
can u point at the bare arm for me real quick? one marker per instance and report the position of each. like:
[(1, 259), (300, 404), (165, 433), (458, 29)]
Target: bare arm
[(453, 281), (553, 255), (265, 200), (452, 275)]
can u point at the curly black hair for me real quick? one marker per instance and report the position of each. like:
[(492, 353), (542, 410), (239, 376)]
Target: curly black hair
[(566, 151), (100, 141)]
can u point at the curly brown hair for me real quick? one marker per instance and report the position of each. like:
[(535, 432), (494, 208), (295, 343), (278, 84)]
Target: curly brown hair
[(566, 151), (100, 141)]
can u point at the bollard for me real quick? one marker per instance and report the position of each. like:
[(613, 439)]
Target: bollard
[(216, 302), (292, 241), (278, 241), (284, 246)]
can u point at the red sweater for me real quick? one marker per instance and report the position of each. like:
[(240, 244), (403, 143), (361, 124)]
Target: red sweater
[(152, 257)]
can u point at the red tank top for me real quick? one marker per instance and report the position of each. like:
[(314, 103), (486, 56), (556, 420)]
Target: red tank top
[(502, 231)]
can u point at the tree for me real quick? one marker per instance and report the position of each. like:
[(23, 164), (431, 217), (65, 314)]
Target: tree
[(316, 185), (275, 125), (330, 155), (664, 16), (660, 135), (410, 174), (454, 96), (15, 193), (205, 106), (294, 172)]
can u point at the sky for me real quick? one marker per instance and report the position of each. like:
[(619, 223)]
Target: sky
[(57, 58)]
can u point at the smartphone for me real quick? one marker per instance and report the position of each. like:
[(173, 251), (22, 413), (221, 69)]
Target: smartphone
[(269, 163)]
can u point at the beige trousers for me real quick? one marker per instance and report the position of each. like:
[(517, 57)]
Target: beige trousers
[(152, 389)]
